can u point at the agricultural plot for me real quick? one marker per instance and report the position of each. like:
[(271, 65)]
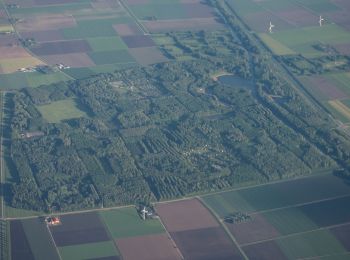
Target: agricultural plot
[(333, 91), (296, 24), (173, 15), (136, 238), (195, 231), (127, 223), (80, 34), (106, 234), (61, 110), (294, 222)]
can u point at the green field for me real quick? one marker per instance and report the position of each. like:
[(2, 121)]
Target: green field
[(88, 251), (36, 79), (111, 57), (277, 47), (301, 39), (127, 223), (311, 244), (61, 110), (50, 9), (244, 7), (31, 79), (39, 239), (278, 195), (94, 28), (289, 221), (106, 43), (319, 6)]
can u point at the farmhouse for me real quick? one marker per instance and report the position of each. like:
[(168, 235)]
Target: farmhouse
[(53, 221)]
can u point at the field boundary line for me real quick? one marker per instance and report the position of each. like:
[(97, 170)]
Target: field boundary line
[(110, 235), (323, 173), (171, 238), (53, 241), (230, 235), (294, 234), (300, 204), (139, 24)]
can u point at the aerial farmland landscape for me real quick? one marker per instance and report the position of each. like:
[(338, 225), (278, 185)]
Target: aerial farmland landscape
[(174, 129)]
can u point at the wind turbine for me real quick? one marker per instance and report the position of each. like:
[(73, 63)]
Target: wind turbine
[(321, 20), (271, 26), (144, 212)]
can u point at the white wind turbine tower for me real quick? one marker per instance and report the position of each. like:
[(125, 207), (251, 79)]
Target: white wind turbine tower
[(271, 26), (144, 212), (321, 20)]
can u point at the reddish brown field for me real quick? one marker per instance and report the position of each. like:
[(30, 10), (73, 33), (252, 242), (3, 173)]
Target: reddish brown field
[(79, 229), (147, 56), (46, 22), (343, 48), (74, 60), (264, 251), (341, 18), (342, 233), (299, 17), (44, 36), (13, 52), (255, 230), (150, 247), (185, 215), (126, 29), (194, 24), (206, 244), (62, 47), (326, 88)]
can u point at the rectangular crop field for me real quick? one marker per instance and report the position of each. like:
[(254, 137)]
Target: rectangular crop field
[(126, 222), (148, 247), (195, 231), (79, 229), (277, 195), (39, 239), (20, 248), (61, 110), (111, 57), (89, 251)]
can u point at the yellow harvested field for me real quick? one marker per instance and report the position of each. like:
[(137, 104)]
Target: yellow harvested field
[(340, 107), (12, 65), (277, 47), (6, 28)]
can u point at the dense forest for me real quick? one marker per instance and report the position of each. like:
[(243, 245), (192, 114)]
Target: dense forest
[(169, 130)]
